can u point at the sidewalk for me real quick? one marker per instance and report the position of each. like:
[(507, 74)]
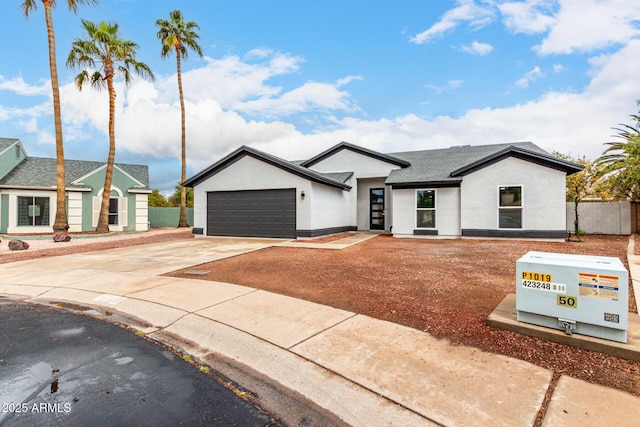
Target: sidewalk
[(366, 371)]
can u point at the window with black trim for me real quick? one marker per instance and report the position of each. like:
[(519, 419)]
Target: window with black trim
[(510, 206), (426, 208)]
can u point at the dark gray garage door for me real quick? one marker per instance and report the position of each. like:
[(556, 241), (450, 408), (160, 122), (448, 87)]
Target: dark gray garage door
[(263, 213)]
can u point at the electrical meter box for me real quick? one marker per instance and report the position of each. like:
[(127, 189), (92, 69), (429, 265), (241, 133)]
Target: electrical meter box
[(581, 294)]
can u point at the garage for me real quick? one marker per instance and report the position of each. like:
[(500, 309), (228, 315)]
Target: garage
[(252, 213)]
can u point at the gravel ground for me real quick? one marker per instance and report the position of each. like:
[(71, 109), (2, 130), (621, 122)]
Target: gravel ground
[(444, 287)]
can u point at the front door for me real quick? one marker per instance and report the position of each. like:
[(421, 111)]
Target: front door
[(376, 208)]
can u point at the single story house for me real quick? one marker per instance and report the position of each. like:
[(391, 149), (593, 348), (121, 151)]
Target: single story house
[(28, 193), (501, 190)]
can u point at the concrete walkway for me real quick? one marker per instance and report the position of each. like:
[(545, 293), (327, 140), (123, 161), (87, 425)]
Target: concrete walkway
[(366, 371)]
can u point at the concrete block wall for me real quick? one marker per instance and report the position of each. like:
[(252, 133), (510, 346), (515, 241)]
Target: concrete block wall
[(602, 217)]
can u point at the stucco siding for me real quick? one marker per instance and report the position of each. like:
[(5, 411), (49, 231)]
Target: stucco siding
[(363, 211), (543, 195), (329, 207), (4, 212), (348, 161), (10, 158), (447, 212), (252, 174)]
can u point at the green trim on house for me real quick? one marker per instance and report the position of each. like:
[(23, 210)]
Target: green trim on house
[(4, 212), (11, 154)]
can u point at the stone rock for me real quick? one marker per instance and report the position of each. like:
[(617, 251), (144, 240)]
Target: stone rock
[(61, 238), (18, 245)]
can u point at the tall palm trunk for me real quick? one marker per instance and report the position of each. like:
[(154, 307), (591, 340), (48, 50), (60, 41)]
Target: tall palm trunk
[(103, 221), (60, 224), (183, 191)]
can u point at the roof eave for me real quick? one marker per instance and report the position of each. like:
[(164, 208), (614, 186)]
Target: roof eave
[(521, 153), (360, 150), (272, 160), (425, 184), (40, 188)]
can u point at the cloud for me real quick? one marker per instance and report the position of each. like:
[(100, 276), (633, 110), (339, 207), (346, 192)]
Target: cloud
[(451, 84), (20, 87), (528, 17), (229, 102), (568, 26), (310, 96), (589, 25), (576, 123), (477, 48), (529, 77), (232, 80), (466, 11)]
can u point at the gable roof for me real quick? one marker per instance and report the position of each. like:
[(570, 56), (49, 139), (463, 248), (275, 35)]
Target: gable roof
[(40, 172), (360, 150), (541, 158), (5, 143), (332, 180), (446, 166)]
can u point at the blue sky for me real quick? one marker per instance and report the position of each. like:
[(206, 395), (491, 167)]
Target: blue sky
[(293, 78)]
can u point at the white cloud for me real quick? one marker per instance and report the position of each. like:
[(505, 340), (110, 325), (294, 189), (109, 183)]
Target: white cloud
[(529, 16), (529, 77), (559, 68), (575, 123), (20, 87), (568, 26), (216, 96), (309, 96), (477, 48), (231, 80), (588, 25), (572, 123), (451, 84), (477, 15)]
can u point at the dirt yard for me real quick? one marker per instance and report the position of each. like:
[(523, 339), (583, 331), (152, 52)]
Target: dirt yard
[(444, 287)]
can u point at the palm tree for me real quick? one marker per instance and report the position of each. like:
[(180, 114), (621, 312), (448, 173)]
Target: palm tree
[(112, 56), (179, 36), (61, 223), (621, 161)]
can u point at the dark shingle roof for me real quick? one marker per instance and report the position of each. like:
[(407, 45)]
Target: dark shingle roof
[(41, 172), (338, 176), (6, 143), (446, 166), (267, 158), (438, 167), (360, 150)]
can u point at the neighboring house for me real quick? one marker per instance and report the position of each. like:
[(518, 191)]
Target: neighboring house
[(504, 190), (28, 193)]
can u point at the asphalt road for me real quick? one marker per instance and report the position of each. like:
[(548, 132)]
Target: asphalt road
[(63, 369)]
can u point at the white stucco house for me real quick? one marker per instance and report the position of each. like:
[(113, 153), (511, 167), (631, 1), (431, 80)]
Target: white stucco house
[(500, 190)]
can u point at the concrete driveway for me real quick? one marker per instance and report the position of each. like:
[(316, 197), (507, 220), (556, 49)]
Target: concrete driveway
[(128, 279)]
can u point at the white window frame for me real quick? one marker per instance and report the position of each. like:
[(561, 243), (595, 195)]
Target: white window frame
[(521, 207), (123, 213), (417, 209), (33, 198)]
